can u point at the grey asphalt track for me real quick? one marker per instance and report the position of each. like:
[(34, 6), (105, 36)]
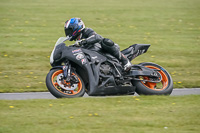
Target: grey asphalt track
[(47, 95)]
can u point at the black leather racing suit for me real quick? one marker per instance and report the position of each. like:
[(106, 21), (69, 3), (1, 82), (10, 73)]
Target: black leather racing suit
[(107, 45)]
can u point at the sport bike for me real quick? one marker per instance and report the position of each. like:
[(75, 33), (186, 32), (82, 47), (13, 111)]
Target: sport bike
[(77, 70)]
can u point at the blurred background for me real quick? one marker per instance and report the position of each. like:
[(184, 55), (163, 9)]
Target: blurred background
[(30, 28)]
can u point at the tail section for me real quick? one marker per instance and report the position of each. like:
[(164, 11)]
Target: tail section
[(135, 50)]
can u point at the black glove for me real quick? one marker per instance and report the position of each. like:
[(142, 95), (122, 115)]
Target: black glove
[(82, 42)]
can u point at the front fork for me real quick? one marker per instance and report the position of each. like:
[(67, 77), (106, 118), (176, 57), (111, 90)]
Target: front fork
[(67, 71)]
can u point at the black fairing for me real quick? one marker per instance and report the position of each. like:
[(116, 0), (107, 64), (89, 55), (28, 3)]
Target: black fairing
[(101, 72), (58, 54)]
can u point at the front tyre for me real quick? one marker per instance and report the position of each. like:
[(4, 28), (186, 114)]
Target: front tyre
[(61, 88), (164, 87)]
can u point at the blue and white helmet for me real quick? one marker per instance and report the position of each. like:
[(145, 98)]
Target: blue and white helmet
[(73, 28)]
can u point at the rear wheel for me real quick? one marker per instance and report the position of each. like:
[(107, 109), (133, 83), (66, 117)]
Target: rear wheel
[(60, 88), (164, 87)]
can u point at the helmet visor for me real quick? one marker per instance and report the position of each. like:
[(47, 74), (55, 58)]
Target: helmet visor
[(68, 32)]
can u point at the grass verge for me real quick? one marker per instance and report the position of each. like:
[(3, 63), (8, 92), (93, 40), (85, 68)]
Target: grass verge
[(113, 114)]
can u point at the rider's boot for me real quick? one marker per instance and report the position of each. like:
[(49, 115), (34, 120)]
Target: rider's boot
[(125, 62)]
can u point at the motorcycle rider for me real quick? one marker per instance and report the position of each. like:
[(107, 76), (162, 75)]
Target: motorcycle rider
[(76, 31)]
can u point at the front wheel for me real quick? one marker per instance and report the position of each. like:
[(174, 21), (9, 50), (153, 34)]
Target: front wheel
[(164, 87), (60, 88)]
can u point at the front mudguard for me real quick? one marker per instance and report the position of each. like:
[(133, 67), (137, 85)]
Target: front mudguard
[(56, 67)]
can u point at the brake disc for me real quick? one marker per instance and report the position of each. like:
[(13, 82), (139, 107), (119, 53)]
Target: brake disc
[(65, 86)]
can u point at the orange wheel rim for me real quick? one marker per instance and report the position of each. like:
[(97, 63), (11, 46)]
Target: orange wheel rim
[(66, 92), (157, 86)]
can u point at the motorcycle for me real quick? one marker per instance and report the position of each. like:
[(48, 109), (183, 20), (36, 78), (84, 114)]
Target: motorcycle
[(77, 70)]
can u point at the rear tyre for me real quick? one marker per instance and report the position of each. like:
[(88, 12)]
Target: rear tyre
[(64, 89), (164, 87)]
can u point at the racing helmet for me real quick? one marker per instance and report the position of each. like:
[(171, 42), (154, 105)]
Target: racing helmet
[(73, 28)]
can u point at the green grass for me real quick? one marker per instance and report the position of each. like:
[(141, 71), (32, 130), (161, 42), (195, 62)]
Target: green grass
[(29, 29), (152, 114)]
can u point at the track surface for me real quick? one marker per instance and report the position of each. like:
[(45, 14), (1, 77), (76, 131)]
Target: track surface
[(47, 95)]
